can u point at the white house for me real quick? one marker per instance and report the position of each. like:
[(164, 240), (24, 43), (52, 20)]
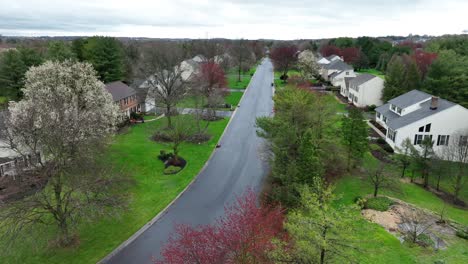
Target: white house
[(417, 115), (365, 89), (338, 79), (332, 67)]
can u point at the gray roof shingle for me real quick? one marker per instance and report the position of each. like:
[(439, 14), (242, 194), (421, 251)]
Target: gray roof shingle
[(119, 90), (410, 98), (338, 65), (362, 78)]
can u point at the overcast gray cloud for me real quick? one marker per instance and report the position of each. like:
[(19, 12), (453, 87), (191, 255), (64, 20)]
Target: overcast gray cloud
[(279, 19)]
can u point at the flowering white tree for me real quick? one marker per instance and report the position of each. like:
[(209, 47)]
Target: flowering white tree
[(66, 116), (307, 64)]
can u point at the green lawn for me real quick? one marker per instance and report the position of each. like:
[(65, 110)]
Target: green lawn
[(234, 98), (378, 245), (153, 191), (373, 71), (233, 78)]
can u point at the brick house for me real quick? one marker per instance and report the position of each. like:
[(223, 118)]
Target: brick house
[(124, 96)]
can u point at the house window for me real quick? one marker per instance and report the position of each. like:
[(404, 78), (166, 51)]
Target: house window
[(355, 99), (398, 110), (428, 136), (392, 107), (385, 119), (391, 135), (347, 73), (418, 139), (428, 128), (421, 129), (442, 140), (378, 115)]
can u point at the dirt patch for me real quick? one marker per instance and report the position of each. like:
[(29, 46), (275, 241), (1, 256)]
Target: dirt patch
[(20, 186), (396, 221)]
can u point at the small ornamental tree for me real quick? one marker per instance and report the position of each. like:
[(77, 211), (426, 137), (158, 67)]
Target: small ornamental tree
[(423, 60), (284, 57), (244, 235), (307, 64), (404, 159)]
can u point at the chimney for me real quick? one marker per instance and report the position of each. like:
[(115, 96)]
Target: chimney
[(434, 102)]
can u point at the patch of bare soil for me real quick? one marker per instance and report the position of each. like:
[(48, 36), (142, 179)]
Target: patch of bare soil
[(13, 188), (396, 221)]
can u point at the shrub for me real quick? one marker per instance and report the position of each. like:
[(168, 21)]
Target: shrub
[(172, 170), (361, 202), (371, 108), (163, 155), (387, 148), (381, 141), (462, 234), (425, 240), (375, 147), (378, 203)]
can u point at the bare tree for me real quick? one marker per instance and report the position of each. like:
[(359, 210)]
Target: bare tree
[(381, 179), (404, 156), (166, 76), (456, 151), (414, 223), (423, 157), (66, 116), (241, 55)]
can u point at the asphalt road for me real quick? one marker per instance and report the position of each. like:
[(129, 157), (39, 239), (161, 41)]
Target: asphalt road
[(237, 165)]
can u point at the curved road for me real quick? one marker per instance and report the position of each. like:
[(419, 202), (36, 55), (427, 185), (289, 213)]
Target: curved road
[(233, 167)]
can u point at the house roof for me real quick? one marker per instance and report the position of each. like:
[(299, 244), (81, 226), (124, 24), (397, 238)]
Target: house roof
[(338, 65), (119, 90), (395, 121), (410, 98), (331, 57), (362, 78), (348, 80)]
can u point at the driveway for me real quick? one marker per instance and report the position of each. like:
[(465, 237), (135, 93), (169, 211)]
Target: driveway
[(235, 166)]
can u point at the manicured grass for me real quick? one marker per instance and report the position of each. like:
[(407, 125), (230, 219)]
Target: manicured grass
[(135, 152), (233, 78), (373, 71), (234, 98), (379, 246)]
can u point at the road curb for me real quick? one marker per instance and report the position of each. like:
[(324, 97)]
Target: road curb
[(164, 211)]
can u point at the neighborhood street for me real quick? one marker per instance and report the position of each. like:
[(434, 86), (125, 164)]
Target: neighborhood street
[(235, 166)]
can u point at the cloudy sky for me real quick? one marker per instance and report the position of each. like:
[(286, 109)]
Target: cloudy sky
[(253, 19)]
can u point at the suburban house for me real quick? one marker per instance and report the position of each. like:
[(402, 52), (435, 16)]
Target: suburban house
[(329, 59), (417, 115), (124, 96), (338, 79), (332, 67), (364, 90)]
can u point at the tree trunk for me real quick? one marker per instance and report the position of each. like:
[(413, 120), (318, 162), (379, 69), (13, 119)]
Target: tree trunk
[(376, 189), (403, 172), (438, 181), (65, 234), (323, 250), (168, 116), (426, 178)]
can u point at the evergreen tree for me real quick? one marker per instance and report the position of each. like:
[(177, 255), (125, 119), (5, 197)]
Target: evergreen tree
[(354, 138), (106, 56), (12, 71), (59, 51), (394, 78), (412, 77)]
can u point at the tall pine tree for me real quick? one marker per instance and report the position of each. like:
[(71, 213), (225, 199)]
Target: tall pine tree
[(394, 78), (354, 130)]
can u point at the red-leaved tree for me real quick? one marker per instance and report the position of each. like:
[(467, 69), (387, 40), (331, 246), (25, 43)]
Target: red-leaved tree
[(423, 60), (210, 84), (351, 55), (244, 235), (328, 50), (284, 57)]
